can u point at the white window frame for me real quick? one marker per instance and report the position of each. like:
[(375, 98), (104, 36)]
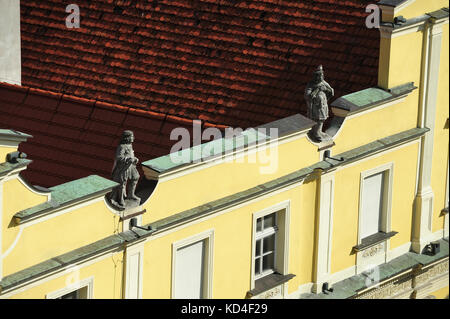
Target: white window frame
[(208, 237), (281, 262), (388, 170), (378, 254), (260, 236), (88, 282)]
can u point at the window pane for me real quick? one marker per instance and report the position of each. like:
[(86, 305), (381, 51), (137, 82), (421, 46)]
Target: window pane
[(269, 243), (258, 248), (257, 266), (259, 224), (268, 262), (269, 221)]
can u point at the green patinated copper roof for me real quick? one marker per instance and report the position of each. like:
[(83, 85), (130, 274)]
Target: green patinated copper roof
[(367, 96), (206, 151), (15, 135), (69, 193), (7, 167), (226, 145), (371, 97)]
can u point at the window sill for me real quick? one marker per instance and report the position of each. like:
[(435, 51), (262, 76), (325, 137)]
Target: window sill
[(268, 282), (373, 240)]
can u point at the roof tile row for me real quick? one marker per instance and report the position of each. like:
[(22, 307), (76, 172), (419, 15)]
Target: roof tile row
[(152, 65), (250, 42)]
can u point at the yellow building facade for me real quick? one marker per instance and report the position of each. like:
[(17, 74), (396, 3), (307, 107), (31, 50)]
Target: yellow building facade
[(262, 215)]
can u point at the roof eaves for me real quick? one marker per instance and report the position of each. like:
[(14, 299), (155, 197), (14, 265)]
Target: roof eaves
[(391, 3), (289, 126), (370, 98), (52, 265), (7, 167), (67, 195), (13, 136), (439, 14)]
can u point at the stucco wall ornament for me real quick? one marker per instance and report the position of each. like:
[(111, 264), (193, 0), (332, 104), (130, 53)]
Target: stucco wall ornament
[(125, 173), (374, 250), (317, 94)]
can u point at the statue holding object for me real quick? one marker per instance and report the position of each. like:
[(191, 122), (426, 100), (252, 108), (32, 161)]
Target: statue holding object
[(317, 94), (124, 171)]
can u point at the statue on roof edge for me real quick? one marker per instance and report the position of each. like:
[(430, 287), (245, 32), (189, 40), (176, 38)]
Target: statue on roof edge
[(124, 171), (317, 94)]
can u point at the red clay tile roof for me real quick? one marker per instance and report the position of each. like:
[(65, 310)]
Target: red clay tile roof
[(230, 62), (75, 137), (162, 63)]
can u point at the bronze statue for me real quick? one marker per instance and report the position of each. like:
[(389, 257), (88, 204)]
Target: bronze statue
[(317, 94), (124, 170)]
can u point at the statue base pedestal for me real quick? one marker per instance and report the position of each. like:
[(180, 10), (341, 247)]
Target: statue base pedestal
[(129, 204), (326, 145), (323, 141)]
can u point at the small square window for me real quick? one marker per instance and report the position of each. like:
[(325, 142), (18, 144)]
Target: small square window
[(257, 266), (258, 248), (268, 262), (259, 225), (269, 244), (269, 221)]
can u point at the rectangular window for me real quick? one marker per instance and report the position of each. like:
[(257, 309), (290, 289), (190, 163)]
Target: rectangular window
[(189, 272), (270, 250), (372, 204), (374, 220), (265, 246), (192, 265)]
